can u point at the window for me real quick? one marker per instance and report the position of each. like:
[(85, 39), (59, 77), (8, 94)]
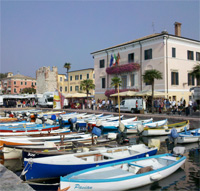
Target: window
[(70, 88), (132, 79), (174, 52), (148, 54), (190, 55), (35, 83), (93, 76), (14, 82), (130, 57), (21, 83), (25, 83), (77, 88), (190, 80), (60, 79), (15, 90), (101, 63), (88, 76), (103, 82), (124, 82), (70, 78), (197, 56), (61, 89), (77, 77), (174, 78), (66, 88), (80, 76)]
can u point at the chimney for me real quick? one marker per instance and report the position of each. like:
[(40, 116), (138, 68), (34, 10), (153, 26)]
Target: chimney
[(177, 29)]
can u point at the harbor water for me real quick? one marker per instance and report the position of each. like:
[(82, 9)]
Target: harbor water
[(185, 178)]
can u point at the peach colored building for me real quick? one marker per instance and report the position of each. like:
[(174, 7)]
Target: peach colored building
[(173, 55), (14, 84)]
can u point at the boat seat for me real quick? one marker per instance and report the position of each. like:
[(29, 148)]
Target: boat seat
[(144, 169)]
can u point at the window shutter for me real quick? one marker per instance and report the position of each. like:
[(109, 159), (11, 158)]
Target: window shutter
[(177, 78), (188, 79)]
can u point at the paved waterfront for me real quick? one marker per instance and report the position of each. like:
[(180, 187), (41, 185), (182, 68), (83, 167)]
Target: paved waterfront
[(10, 181)]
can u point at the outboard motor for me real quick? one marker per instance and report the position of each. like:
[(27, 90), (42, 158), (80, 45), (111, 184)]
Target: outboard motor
[(60, 120), (121, 136), (178, 151), (173, 136), (73, 124)]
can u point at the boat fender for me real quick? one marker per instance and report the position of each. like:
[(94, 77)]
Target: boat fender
[(156, 177)]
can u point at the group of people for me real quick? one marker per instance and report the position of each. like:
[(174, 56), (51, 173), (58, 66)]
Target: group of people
[(161, 105), (19, 103)]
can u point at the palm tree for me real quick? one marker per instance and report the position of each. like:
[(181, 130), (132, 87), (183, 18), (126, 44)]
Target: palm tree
[(67, 65), (87, 85), (115, 81), (196, 73), (149, 77)]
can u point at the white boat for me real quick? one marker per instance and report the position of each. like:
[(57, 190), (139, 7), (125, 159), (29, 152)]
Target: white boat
[(124, 175), (55, 166), (134, 127), (166, 129), (156, 123), (191, 136), (113, 125), (41, 140), (27, 133)]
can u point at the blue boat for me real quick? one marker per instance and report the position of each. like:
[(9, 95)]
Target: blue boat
[(55, 166)]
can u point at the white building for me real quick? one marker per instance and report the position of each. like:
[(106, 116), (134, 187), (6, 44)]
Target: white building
[(173, 55)]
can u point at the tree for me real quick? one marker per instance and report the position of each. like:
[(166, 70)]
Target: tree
[(67, 65), (115, 81), (28, 90), (196, 73), (2, 75), (87, 85), (149, 77)]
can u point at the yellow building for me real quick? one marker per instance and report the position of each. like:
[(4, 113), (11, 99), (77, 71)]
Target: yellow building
[(75, 78)]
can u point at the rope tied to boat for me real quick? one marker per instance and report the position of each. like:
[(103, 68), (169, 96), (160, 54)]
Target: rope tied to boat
[(30, 162)]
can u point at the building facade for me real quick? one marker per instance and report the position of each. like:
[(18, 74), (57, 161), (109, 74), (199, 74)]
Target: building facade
[(47, 79), (14, 84), (75, 78), (174, 56)]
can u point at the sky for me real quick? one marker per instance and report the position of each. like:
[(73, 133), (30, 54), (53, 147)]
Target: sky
[(37, 33)]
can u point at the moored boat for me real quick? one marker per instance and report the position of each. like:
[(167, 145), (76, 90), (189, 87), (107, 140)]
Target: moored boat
[(166, 129), (190, 136), (51, 167), (124, 175)]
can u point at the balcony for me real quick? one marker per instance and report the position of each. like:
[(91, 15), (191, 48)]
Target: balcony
[(125, 68)]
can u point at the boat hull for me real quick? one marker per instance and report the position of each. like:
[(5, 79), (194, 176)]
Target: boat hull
[(39, 171), (119, 183)]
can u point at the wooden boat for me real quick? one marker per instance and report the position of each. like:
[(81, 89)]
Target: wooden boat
[(190, 136), (110, 118), (124, 175), (166, 129), (113, 125), (156, 123), (51, 167), (7, 119), (48, 139), (133, 128), (29, 128), (35, 133)]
